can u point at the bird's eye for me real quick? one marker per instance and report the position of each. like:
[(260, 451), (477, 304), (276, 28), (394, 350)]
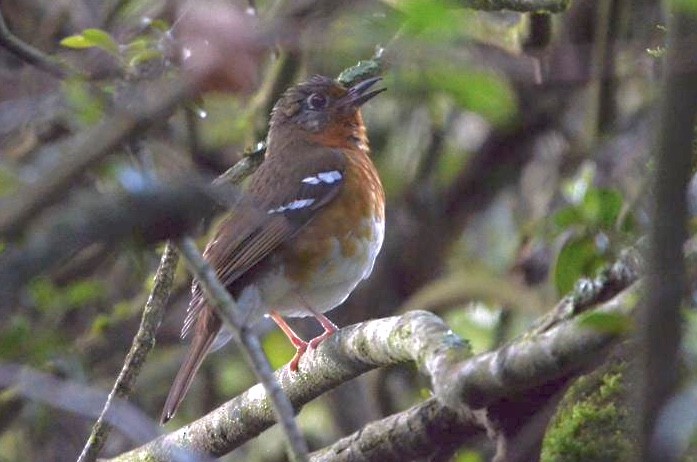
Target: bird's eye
[(316, 101)]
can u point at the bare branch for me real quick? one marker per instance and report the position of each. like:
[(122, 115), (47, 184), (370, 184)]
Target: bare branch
[(227, 309), (523, 365), (143, 343), (523, 6), (531, 362), (29, 54), (353, 350), (415, 433), (150, 214)]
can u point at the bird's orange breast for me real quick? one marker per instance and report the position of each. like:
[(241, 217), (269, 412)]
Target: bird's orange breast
[(345, 228)]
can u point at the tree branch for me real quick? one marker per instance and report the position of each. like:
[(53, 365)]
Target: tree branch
[(661, 318), (144, 340), (417, 336), (526, 364), (413, 434), (143, 343), (81, 152), (29, 54), (221, 300), (523, 6), (531, 362), (149, 214)]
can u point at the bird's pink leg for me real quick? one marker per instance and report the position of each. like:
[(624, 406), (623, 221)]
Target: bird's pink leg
[(299, 344), (329, 329)]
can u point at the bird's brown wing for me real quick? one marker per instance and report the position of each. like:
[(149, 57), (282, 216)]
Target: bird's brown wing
[(274, 213)]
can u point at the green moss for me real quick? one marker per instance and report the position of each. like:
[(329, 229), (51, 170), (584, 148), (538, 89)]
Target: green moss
[(592, 422)]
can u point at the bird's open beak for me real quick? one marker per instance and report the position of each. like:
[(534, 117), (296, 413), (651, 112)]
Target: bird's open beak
[(358, 94)]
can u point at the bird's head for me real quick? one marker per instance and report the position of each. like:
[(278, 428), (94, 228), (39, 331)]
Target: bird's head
[(322, 107)]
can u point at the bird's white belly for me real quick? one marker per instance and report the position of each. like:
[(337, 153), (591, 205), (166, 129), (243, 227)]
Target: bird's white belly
[(328, 287)]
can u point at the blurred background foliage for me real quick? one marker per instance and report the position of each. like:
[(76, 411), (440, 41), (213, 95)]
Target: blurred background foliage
[(573, 90)]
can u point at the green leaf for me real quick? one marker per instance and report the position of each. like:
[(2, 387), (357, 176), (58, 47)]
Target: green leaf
[(81, 293), (87, 109), (143, 57), (100, 325), (482, 92), (44, 294), (160, 24), (436, 20), (101, 39), (15, 333), (602, 207), (77, 42), (568, 216), (476, 323), (138, 45), (611, 323), (8, 181), (465, 455), (685, 6), (578, 258)]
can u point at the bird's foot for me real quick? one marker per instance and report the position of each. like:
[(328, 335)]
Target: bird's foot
[(314, 343), (300, 349)]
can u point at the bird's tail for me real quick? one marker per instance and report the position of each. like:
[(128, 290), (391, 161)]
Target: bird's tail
[(200, 345)]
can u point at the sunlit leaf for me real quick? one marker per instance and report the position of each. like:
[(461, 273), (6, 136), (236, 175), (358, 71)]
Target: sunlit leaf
[(611, 323), (160, 24), (138, 45), (144, 56), (100, 325), (77, 42), (468, 456), (475, 323), (101, 39)]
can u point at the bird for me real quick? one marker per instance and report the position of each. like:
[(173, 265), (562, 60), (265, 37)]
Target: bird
[(309, 231)]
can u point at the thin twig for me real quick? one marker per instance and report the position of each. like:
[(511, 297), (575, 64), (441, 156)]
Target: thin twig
[(29, 54), (143, 343), (144, 340), (227, 309)]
